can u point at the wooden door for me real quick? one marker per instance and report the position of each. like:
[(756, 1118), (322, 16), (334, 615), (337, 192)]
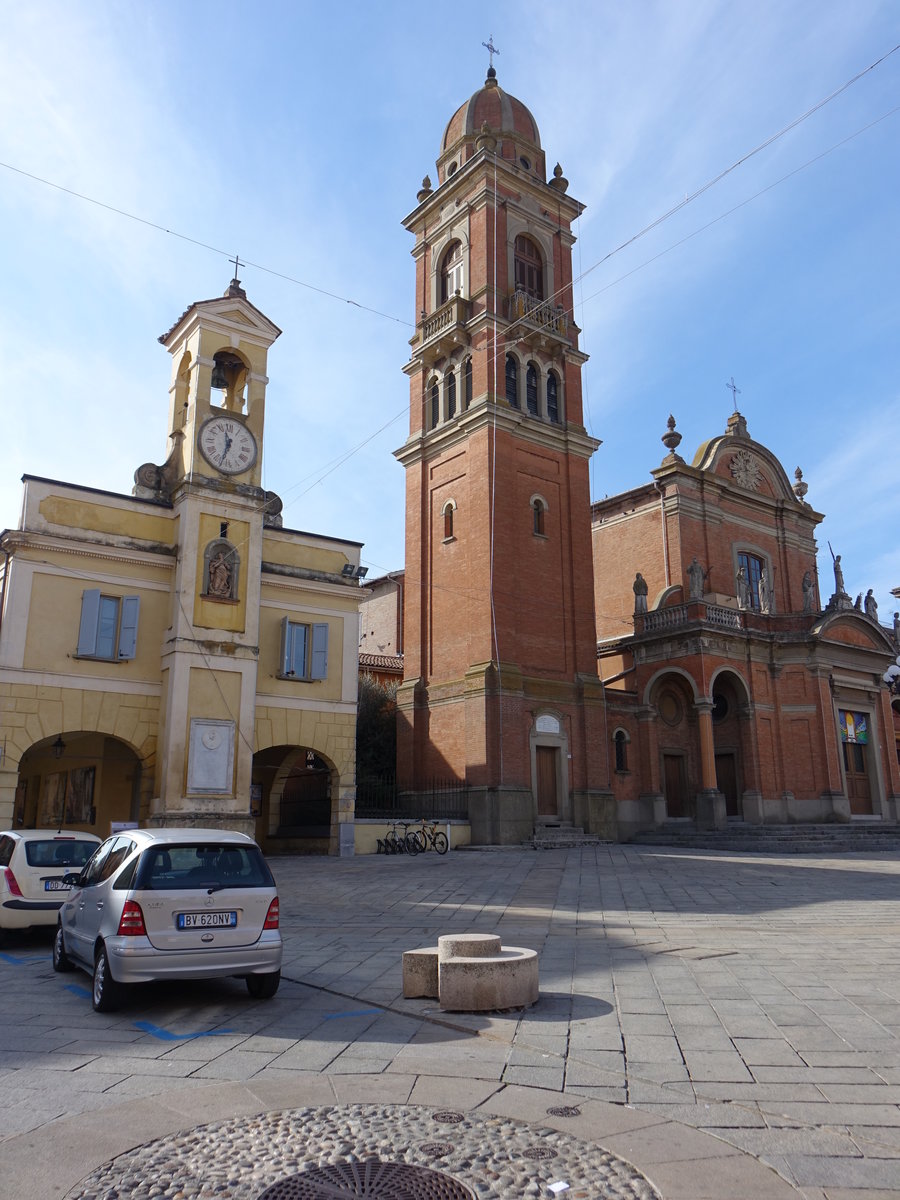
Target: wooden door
[(859, 790), (546, 758), (726, 781), (675, 785)]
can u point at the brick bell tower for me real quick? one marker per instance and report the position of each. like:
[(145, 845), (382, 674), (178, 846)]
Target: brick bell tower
[(500, 685)]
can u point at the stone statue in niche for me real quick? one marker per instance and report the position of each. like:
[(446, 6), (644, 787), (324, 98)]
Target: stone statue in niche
[(743, 588), (807, 586), (639, 587), (766, 595), (696, 579), (871, 605), (219, 576)]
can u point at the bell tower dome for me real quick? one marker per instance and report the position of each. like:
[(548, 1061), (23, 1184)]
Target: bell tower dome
[(500, 683)]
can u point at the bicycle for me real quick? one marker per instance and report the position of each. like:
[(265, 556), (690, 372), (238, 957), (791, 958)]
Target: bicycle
[(393, 843), (429, 837)]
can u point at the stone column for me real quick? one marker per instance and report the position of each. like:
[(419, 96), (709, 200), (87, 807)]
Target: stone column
[(711, 812)]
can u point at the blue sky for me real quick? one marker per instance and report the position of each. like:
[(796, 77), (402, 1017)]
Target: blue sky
[(299, 141)]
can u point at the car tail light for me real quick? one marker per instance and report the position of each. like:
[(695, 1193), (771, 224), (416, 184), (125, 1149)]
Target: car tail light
[(272, 915), (132, 920), (12, 885)]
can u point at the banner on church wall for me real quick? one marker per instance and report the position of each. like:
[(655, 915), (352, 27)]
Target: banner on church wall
[(854, 727)]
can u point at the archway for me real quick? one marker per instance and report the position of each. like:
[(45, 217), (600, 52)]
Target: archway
[(294, 794), (672, 695), (81, 780), (730, 728)]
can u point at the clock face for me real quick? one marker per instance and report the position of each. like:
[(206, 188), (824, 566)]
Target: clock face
[(227, 445)]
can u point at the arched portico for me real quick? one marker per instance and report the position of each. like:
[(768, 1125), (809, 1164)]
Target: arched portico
[(295, 798), (735, 762)]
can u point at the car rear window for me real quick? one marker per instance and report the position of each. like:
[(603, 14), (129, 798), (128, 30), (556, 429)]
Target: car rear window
[(58, 852), (165, 868)]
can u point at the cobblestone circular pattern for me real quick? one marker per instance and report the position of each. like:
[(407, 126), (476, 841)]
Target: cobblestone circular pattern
[(240, 1158)]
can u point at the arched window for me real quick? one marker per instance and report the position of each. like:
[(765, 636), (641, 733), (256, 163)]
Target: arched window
[(552, 396), (450, 392), (467, 387), (531, 389), (512, 381), (451, 271), (620, 739), (539, 510), (435, 404), (448, 520), (753, 567), (529, 269)]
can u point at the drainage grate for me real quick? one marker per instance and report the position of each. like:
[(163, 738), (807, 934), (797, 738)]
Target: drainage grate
[(448, 1118), (437, 1149), (373, 1178), (563, 1112), (536, 1153)]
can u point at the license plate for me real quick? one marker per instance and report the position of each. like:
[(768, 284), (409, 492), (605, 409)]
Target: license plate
[(207, 920), (55, 885)]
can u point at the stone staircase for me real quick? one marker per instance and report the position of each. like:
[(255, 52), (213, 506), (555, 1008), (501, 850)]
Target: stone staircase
[(562, 835), (834, 838)]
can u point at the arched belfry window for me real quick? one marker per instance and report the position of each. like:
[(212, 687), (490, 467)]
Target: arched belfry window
[(620, 740), (531, 389), (221, 570), (512, 381), (447, 512), (538, 509), (529, 268), (450, 391), (435, 404), (451, 271), (552, 396)]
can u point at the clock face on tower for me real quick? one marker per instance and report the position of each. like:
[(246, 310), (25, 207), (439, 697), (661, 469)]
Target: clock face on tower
[(228, 445)]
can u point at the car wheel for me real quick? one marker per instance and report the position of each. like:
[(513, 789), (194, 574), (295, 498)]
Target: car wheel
[(263, 987), (106, 994), (61, 960)]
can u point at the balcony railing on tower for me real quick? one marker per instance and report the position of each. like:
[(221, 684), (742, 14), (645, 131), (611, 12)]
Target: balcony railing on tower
[(538, 316), (445, 328)]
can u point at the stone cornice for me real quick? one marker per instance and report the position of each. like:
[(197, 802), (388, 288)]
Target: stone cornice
[(159, 556)]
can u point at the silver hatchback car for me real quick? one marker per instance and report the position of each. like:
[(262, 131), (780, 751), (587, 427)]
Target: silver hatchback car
[(171, 904)]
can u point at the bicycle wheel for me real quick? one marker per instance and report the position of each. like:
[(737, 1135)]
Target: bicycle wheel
[(419, 838), (440, 843), (411, 842)]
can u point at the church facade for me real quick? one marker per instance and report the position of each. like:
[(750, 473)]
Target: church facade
[(176, 656)]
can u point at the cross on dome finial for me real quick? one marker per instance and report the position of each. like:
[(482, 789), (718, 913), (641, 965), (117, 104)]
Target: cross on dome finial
[(237, 263), (735, 392), (492, 50)]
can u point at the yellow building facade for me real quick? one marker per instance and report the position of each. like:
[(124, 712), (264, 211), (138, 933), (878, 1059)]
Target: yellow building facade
[(176, 656)]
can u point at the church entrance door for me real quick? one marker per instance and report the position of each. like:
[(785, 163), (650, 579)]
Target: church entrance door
[(726, 781), (546, 759), (675, 785), (859, 789)]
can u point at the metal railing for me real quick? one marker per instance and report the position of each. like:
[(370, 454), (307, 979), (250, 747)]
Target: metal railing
[(378, 797), (538, 312)]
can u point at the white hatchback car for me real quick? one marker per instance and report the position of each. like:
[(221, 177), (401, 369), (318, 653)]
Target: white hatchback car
[(171, 904), (33, 867)]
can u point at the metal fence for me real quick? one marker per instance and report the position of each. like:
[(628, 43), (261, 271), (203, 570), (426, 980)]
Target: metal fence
[(437, 799)]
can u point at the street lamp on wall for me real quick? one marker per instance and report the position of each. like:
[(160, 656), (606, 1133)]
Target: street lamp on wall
[(59, 747)]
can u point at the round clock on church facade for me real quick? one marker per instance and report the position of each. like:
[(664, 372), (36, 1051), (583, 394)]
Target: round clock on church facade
[(228, 445)]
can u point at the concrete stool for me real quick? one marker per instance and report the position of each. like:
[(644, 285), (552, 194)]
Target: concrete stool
[(472, 972)]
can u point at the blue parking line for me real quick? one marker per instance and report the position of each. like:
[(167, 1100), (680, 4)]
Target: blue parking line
[(78, 991), (165, 1035), (358, 1012), (18, 959)]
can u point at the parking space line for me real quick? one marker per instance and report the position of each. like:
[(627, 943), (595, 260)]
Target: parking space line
[(166, 1035), (359, 1012)]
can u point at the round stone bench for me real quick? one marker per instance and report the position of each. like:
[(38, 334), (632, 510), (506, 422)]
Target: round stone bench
[(472, 972)]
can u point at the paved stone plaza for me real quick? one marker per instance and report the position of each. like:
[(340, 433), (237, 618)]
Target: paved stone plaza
[(726, 1024)]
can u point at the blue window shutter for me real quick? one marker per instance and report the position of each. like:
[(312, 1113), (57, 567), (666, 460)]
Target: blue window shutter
[(319, 664), (128, 627), (285, 646), (90, 616)]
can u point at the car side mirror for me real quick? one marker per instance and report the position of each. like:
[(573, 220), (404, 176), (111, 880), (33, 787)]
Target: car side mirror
[(72, 878)]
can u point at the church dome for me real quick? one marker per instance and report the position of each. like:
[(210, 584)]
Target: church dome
[(503, 113), (512, 128)]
